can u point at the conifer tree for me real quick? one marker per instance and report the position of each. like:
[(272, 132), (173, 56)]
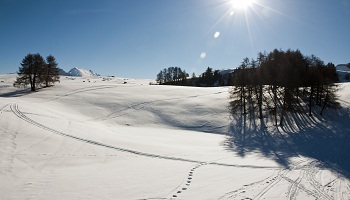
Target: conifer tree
[(35, 71), (51, 71)]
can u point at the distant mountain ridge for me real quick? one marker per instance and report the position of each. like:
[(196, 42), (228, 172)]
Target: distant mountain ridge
[(78, 72), (343, 71), (343, 67), (61, 72)]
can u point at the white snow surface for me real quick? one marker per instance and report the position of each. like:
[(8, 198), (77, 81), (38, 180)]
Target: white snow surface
[(115, 138), (82, 72)]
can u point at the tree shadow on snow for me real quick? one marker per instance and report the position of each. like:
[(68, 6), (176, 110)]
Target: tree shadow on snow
[(16, 93), (19, 92), (323, 138)]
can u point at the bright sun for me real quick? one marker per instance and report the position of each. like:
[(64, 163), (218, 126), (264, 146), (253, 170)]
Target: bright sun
[(241, 4)]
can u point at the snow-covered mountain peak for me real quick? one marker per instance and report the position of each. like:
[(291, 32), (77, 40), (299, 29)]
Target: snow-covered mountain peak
[(82, 72)]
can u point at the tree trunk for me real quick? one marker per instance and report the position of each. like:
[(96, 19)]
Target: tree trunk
[(283, 107), (260, 101), (318, 95), (252, 111), (325, 103), (275, 102), (310, 101), (47, 79), (244, 98), (33, 84), (30, 81), (241, 99)]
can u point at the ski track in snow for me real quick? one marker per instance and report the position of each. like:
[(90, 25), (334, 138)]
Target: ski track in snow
[(242, 191), (77, 91), (140, 106), (8, 142), (319, 188), (134, 106), (306, 176), (101, 87), (18, 113), (175, 194), (2, 109)]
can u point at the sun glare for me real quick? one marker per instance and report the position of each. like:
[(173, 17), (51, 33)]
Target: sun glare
[(241, 4), (203, 55), (217, 34)]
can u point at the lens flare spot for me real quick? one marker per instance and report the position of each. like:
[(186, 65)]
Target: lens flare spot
[(232, 13), (217, 34), (203, 55)]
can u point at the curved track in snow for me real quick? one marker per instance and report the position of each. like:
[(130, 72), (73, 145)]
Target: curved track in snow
[(15, 109), (3, 108), (140, 106), (178, 191), (305, 181), (80, 90), (206, 127)]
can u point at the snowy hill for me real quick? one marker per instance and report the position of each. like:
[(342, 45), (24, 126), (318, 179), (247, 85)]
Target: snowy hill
[(343, 67), (343, 71), (94, 138), (82, 72), (61, 72)]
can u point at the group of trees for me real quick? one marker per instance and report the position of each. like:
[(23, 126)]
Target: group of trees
[(172, 76), (275, 82), (209, 78), (34, 70), (282, 78), (213, 78)]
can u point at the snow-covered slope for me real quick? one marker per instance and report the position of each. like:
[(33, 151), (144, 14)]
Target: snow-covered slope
[(343, 67), (82, 72), (95, 138), (343, 72), (61, 72)]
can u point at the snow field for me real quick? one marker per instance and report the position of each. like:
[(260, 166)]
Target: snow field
[(95, 139)]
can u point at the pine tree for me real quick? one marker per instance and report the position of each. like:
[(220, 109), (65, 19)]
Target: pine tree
[(285, 73), (160, 77), (35, 71), (25, 72), (31, 71), (51, 71)]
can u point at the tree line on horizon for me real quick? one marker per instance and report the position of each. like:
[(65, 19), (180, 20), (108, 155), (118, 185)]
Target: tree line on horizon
[(35, 71), (288, 77), (172, 76), (177, 76)]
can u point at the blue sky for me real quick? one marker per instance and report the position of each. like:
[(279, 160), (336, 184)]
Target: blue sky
[(138, 38)]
